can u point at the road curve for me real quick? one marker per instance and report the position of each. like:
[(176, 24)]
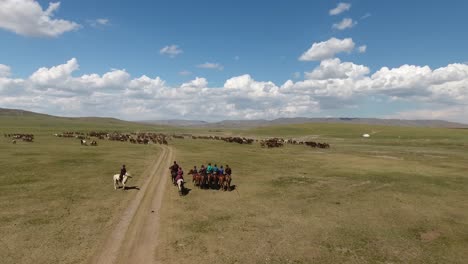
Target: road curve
[(135, 236)]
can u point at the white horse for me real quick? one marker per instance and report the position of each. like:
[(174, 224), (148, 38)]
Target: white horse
[(180, 185), (124, 180)]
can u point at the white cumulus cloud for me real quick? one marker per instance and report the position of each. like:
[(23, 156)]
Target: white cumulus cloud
[(27, 18), (99, 22), (196, 83), (185, 73), (335, 69), (5, 70), (171, 51), (211, 65), (340, 8), (362, 49), (327, 49), (337, 85), (344, 24)]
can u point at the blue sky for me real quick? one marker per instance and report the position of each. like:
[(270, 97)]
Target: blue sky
[(260, 41)]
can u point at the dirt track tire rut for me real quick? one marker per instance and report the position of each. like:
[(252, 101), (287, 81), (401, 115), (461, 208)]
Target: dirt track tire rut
[(134, 238)]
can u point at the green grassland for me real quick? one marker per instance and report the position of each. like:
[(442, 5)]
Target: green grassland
[(56, 197), (397, 197)]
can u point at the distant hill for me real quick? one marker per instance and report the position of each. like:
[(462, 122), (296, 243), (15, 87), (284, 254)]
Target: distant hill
[(24, 113), (176, 122), (19, 112), (303, 120), (21, 119), (243, 123)]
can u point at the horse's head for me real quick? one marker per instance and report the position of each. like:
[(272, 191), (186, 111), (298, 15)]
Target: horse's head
[(128, 175)]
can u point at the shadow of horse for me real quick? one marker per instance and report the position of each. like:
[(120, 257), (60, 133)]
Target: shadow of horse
[(185, 191), (131, 188)]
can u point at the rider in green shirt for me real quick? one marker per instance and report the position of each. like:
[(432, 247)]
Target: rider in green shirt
[(209, 169)]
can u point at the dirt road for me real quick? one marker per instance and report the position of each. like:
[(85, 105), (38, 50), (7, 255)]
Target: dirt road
[(135, 236)]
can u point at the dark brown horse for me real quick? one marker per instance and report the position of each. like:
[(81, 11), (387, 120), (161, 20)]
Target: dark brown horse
[(212, 179)]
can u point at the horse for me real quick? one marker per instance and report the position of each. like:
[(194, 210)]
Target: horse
[(13, 141), (180, 185), (221, 180), (173, 176), (198, 180), (212, 178), (124, 180), (227, 182), (204, 180)]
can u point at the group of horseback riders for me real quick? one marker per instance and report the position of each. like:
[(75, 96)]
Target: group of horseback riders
[(208, 176)]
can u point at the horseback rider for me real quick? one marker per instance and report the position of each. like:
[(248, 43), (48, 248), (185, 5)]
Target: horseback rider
[(123, 171), (215, 169), (202, 170), (221, 170), (193, 171), (228, 170), (180, 174), (174, 169), (209, 169)]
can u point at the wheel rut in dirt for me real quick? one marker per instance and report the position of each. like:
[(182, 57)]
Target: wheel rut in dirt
[(134, 238)]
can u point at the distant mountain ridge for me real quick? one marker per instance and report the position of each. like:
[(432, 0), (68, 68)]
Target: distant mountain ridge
[(258, 122), (303, 120), (19, 112)]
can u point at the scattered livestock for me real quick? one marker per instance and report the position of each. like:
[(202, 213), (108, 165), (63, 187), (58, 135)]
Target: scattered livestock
[(18, 136), (85, 143), (124, 180)]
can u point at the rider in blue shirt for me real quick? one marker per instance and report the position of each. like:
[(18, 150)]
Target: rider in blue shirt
[(215, 169), (221, 170)]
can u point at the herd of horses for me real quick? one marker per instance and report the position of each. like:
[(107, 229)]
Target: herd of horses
[(279, 142), (20, 136), (134, 138), (268, 143), (239, 140), (160, 138)]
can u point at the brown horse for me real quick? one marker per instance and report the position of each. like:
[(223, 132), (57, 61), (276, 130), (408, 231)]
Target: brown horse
[(198, 180), (227, 182), (221, 180), (211, 179), (204, 180)]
